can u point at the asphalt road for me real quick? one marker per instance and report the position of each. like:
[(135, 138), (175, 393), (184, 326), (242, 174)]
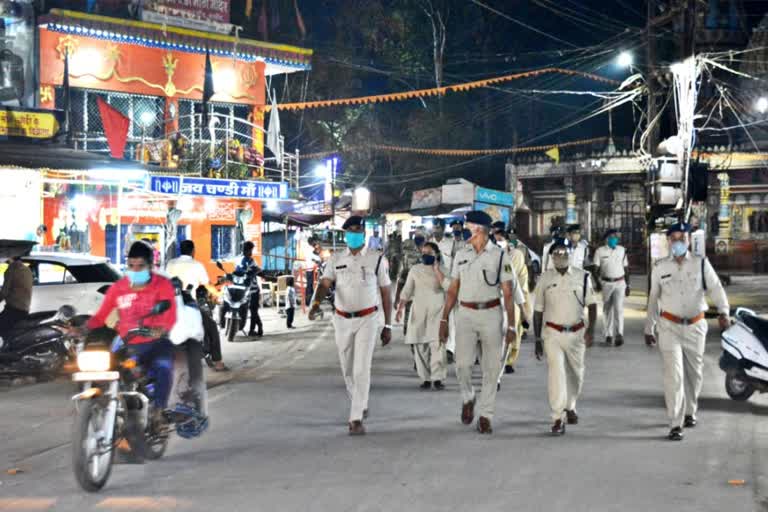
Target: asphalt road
[(278, 442)]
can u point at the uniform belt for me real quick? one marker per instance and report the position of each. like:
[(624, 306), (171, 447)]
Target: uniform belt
[(609, 280), (357, 314), (682, 321), (567, 328), (481, 305)]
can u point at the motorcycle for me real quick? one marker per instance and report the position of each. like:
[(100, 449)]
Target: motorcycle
[(745, 355), (207, 306), (41, 344), (115, 406), (236, 295)]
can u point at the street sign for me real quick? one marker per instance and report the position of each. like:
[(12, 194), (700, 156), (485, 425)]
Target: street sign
[(491, 196), (18, 123), (242, 189)]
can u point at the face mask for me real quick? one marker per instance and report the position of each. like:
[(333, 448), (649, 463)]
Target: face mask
[(354, 240), (514, 242), (419, 240), (613, 242), (457, 235), (679, 248), (466, 234), (138, 278), (502, 243), (560, 262), (428, 259)]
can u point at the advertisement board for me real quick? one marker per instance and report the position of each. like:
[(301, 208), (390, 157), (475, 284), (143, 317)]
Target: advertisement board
[(194, 14), (496, 212)]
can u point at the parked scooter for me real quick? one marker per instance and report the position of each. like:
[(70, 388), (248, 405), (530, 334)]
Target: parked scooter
[(745, 355), (40, 344), (236, 295)]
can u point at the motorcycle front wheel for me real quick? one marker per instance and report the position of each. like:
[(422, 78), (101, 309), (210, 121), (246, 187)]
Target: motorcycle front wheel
[(232, 328), (737, 385), (92, 452)]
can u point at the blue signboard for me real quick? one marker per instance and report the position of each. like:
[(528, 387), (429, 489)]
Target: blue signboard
[(262, 190), (495, 211), (491, 196)]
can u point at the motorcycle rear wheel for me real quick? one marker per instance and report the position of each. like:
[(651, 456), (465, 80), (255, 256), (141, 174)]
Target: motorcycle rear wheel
[(155, 442), (92, 465), (737, 385)]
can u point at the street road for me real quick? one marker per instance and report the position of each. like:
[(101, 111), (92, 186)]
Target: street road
[(278, 441)]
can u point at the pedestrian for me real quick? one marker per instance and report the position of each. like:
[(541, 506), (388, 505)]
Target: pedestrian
[(375, 243), (16, 292), (290, 302), (425, 288), (248, 264), (578, 247), (362, 280), (457, 242), (518, 244), (676, 307), (612, 278), (481, 272), (411, 257), (561, 332), (556, 235)]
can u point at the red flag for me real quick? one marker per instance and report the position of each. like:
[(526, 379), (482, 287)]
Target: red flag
[(300, 20), (115, 127)]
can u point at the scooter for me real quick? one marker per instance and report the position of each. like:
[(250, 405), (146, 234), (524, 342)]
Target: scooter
[(40, 344), (235, 298), (745, 355)]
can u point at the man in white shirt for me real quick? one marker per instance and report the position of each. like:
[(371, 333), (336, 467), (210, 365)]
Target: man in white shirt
[(612, 278), (192, 273)]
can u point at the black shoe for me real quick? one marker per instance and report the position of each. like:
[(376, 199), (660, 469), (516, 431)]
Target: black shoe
[(498, 386), (438, 385), (572, 417), (690, 422), (426, 385), (365, 414), (509, 369), (676, 434), (558, 429), (450, 357), (619, 340), (609, 340), (252, 334)]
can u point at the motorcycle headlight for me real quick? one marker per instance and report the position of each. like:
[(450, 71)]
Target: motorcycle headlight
[(94, 361)]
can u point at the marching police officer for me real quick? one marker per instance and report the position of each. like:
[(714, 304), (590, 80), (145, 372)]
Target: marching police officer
[(676, 306), (561, 332), (457, 242), (612, 278), (579, 248), (556, 235), (480, 271), (411, 256), (362, 279)]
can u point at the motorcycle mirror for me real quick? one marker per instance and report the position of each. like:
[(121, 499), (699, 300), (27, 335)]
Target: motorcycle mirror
[(66, 313), (160, 308)]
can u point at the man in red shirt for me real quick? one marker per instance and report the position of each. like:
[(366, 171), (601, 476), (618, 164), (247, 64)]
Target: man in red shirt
[(134, 296)]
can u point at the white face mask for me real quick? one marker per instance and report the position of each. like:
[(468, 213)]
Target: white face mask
[(502, 243)]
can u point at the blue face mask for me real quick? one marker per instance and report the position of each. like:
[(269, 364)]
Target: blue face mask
[(354, 240), (138, 278), (428, 259), (613, 242), (679, 248), (419, 240)]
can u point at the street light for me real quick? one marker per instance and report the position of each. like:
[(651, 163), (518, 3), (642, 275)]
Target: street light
[(147, 118), (625, 59), (761, 105)]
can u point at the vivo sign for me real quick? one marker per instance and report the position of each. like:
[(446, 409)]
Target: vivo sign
[(488, 195)]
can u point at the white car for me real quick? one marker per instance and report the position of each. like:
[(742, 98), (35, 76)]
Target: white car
[(79, 280)]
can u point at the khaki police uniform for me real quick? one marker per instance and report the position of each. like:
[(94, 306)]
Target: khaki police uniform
[(546, 260), (480, 316), (612, 264), (676, 306), (411, 257), (579, 255), (449, 246), (521, 272), (562, 299), (428, 299), (355, 320)]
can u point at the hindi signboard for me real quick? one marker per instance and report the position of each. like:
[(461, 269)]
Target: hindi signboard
[(240, 189), (195, 14), (18, 123)]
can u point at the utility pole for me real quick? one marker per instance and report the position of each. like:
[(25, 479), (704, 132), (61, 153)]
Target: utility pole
[(650, 47)]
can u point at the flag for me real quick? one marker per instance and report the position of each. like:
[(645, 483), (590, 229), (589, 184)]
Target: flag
[(262, 25), (207, 90), (300, 20), (554, 154), (115, 127), (273, 132), (66, 102)]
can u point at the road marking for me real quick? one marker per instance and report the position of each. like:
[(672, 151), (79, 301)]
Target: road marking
[(27, 503), (143, 503)]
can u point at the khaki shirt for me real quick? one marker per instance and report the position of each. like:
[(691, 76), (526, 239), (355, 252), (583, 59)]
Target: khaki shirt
[(411, 257), (357, 285), (446, 246), (428, 299), (560, 297), (611, 262), (679, 289), (520, 268), (579, 255), (479, 274), (17, 286), (546, 261)]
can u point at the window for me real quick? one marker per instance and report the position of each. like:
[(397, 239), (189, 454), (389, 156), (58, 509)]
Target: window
[(758, 222), (223, 242), (48, 273), (96, 273)]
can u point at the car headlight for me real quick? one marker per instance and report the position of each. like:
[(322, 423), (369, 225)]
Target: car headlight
[(94, 361)]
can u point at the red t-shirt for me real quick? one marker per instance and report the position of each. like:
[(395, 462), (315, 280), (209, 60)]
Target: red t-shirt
[(132, 305)]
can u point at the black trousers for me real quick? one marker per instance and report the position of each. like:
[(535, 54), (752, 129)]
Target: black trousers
[(310, 286), (289, 316), (212, 337), (255, 318), (9, 318), (195, 356)]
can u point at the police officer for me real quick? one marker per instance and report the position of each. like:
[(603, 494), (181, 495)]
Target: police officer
[(362, 280), (676, 306), (556, 234), (411, 256), (457, 242), (514, 241), (579, 248), (612, 278), (561, 332), (480, 271), (444, 243)]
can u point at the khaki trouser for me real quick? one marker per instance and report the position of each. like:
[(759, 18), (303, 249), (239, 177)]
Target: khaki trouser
[(682, 350), (450, 346), (486, 326), (514, 349), (356, 340), (430, 361), (565, 361), (613, 308)]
